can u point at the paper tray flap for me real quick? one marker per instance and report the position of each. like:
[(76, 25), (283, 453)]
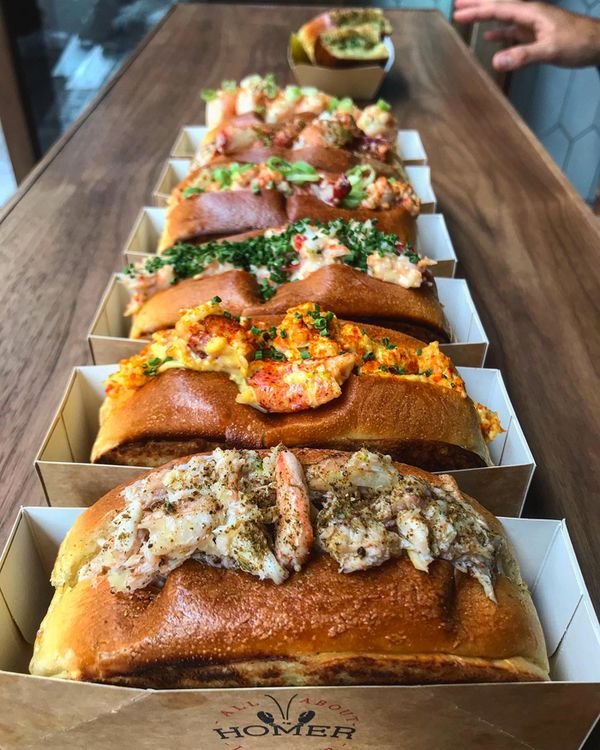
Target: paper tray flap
[(24, 584), (578, 655), (558, 590)]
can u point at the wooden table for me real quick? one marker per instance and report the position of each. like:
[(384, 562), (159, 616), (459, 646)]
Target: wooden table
[(527, 244)]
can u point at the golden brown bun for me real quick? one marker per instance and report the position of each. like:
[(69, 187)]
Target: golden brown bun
[(354, 295), (237, 290), (420, 423), (395, 220), (325, 158), (222, 213), (328, 159), (349, 293), (211, 627)]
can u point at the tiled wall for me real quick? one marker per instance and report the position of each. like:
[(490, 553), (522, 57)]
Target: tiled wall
[(562, 107)]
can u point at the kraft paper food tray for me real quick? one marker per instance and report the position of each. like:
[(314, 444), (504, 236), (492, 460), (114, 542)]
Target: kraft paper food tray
[(189, 140), (62, 715), (432, 239), (69, 479), (362, 82), (109, 342), (176, 170)]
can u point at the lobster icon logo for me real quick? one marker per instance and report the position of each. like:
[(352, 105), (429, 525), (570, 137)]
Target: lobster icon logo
[(267, 717), (282, 721)]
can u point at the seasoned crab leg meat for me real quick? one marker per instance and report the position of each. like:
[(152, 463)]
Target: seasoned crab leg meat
[(294, 535)]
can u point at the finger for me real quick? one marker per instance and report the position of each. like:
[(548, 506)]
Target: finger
[(517, 13), (509, 34), (517, 57), (460, 4)]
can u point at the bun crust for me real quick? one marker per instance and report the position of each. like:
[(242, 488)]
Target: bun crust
[(325, 158), (346, 291), (355, 295), (420, 423), (221, 214), (211, 627), (237, 289)]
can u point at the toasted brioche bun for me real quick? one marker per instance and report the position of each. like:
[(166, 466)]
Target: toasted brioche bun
[(181, 411), (237, 290), (326, 158), (219, 214), (210, 627), (354, 295), (348, 292), (222, 213)]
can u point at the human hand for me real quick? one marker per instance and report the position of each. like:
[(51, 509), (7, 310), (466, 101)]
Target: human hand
[(541, 33)]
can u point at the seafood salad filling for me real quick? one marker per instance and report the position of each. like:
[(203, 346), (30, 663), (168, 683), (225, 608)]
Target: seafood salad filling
[(282, 255), (264, 101), (266, 513), (299, 364), (358, 187)]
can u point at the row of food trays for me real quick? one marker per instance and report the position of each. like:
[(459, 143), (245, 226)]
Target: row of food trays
[(314, 382)]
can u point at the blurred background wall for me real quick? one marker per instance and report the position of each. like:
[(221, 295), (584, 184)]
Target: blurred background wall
[(63, 51)]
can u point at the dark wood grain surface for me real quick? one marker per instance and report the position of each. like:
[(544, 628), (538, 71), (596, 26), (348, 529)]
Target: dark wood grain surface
[(527, 244)]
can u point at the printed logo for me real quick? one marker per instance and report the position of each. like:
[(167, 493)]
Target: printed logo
[(298, 717)]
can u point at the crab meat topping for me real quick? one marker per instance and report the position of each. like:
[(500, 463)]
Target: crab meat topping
[(260, 513)]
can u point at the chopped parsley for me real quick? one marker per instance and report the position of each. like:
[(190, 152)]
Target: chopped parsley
[(270, 352), (393, 369), (152, 365), (383, 105), (388, 344), (305, 354), (319, 321)]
